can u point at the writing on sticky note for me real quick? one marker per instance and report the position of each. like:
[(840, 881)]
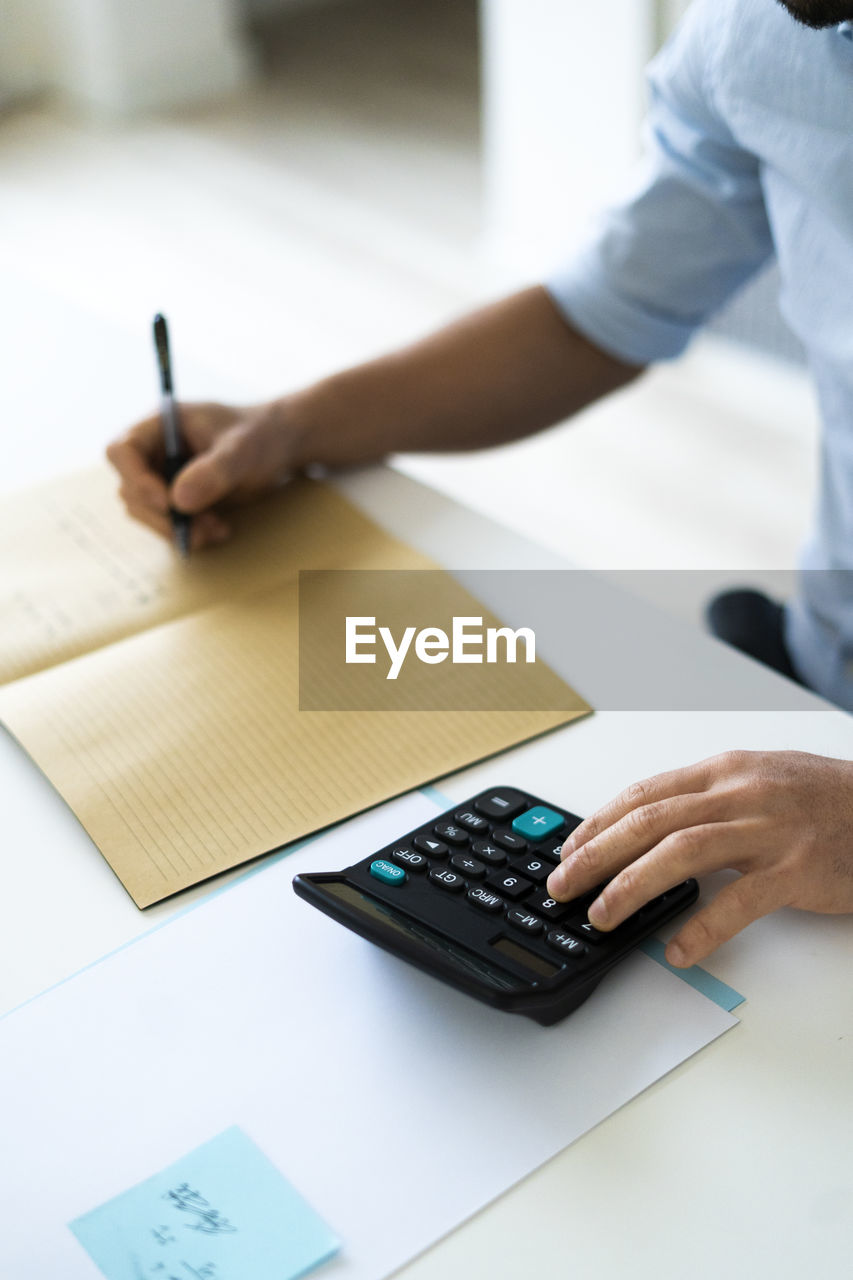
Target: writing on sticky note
[(222, 1212)]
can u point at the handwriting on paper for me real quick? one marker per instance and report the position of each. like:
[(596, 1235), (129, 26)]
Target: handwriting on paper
[(168, 1258)]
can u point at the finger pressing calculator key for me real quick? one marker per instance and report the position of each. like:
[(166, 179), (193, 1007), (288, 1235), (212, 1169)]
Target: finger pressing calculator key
[(480, 918)]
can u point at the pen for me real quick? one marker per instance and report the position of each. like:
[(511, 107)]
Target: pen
[(173, 442)]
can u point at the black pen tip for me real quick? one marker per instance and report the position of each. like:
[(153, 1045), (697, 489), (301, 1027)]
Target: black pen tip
[(161, 342), (181, 527)]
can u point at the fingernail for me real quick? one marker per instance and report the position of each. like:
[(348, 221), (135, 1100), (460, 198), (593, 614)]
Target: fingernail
[(568, 847), (674, 955), (184, 498), (598, 912), (554, 883)]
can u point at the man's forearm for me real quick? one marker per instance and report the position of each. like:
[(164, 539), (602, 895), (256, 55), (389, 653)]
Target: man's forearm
[(496, 375)]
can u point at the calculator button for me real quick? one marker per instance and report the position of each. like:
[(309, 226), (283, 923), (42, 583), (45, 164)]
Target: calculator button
[(483, 898), (451, 833), (521, 919), (565, 943), (511, 886), (450, 880), (468, 866), (552, 851), (548, 907), (537, 823), (430, 846), (387, 872), (471, 822), (534, 867), (489, 852), (582, 903), (509, 840), (409, 858), (501, 805), (588, 931)]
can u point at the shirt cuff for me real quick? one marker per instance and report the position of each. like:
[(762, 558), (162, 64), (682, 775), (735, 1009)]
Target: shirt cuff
[(621, 326)]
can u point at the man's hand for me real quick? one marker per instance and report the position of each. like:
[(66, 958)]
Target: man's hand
[(783, 819), (235, 454)]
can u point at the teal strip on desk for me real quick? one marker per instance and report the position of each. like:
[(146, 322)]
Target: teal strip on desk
[(726, 997), (433, 794)]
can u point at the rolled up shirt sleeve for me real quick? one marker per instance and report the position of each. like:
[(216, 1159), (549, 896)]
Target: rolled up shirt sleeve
[(656, 267)]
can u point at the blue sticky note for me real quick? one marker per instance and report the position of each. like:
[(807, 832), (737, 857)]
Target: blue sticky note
[(223, 1212)]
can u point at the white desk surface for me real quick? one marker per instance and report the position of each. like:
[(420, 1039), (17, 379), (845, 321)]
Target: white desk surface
[(739, 1162)]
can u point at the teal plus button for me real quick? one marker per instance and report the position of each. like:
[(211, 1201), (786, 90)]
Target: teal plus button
[(387, 872), (537, 823)]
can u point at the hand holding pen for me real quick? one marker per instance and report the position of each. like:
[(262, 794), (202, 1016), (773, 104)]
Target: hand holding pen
[(229, 455)]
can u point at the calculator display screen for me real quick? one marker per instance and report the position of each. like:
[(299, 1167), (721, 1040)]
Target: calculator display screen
[(521, 955), (426, 939)]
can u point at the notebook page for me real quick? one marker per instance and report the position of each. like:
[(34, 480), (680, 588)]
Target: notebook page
[(183, 751), (77, 574)]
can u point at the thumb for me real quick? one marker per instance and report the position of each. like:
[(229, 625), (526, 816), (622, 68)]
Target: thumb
[(212, 475)]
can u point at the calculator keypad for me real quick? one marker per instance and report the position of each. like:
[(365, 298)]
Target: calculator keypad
[(479, 856), (464, 897)]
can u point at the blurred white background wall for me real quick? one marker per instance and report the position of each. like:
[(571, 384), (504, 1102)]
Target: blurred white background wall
[(125, 56), (26, 48), (563, 98), (122, 56)]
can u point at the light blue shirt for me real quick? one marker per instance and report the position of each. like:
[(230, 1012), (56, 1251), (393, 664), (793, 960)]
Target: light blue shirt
[(751, 153)]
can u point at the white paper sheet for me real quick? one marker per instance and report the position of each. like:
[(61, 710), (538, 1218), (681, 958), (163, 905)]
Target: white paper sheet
[(395, 1105)]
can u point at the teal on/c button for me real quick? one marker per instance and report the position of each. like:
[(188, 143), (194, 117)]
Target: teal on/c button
[(537, 823), (387, 872)]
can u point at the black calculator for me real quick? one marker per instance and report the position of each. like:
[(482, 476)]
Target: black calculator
[(463, 897)]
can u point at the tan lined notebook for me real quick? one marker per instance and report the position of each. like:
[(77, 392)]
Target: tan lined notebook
[(162, 699)]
